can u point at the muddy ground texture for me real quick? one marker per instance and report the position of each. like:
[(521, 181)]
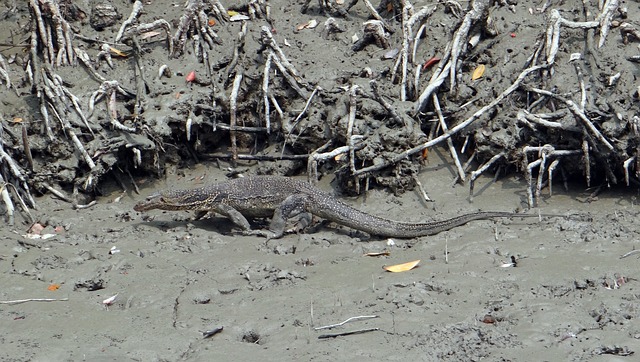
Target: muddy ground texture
[(104, 102)]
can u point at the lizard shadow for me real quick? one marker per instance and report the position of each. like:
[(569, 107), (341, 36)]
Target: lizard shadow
[(224, 226), (217, 224)]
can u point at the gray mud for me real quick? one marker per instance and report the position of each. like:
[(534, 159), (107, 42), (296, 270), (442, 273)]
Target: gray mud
[(176, 278), (570, 297)]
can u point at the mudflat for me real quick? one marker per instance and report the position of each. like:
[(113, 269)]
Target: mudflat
[(570, 296), (109, 283)]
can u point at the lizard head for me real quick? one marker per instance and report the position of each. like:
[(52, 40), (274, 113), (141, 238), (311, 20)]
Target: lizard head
[(174, 200)]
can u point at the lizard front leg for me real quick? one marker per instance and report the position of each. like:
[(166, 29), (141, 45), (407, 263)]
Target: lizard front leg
[(237, 218), (290, 207)]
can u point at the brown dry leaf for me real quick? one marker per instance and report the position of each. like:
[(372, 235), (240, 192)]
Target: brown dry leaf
[(478, 72), (17, 120), (401, 267)]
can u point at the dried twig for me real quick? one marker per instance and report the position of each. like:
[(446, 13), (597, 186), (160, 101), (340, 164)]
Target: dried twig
[(195, 17), (516, 84), (359, 331), (350, 124), (477, 12), (19, 301), (47, 28), (609, 9), (233, 104), (452, 148), (579, 115), (4, 72), (265, 92), (544, 153), (4, 194), (475, 174), (135, 12), (351, 319)]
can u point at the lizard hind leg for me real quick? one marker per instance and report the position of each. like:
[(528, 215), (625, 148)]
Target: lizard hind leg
[(292, 206)]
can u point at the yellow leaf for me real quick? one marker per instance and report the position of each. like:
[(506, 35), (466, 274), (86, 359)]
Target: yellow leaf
[(402, 267), (232, 13), (117, 52), (478, 72)]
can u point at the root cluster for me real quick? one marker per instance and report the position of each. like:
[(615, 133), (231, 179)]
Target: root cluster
[(556, 105)]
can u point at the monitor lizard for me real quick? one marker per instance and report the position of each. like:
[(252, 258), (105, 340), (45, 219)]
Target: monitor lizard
[(281, 198)]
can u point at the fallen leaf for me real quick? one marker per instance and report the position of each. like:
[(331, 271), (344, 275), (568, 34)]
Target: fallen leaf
[(38, 236), (36, 229), (53, 287), (239, 17), (232, 13), (17, 120), (308, 25), (390, 54), (425, 154), (212, 22), (488, 319), (191, 76), (149, 34), (478, 72), (402, 267), (117, 52), (429, 63), (110, 300), (380, 253)]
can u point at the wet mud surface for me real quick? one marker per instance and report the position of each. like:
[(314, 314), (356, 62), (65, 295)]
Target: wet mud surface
[(569, 296)]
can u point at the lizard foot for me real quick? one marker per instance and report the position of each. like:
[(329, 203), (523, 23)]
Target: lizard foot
[(267, 234)]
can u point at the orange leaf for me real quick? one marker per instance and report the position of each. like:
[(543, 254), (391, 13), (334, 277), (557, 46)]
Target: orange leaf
[(478, 72), (425, 154), (401, 267), (53, 287)]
